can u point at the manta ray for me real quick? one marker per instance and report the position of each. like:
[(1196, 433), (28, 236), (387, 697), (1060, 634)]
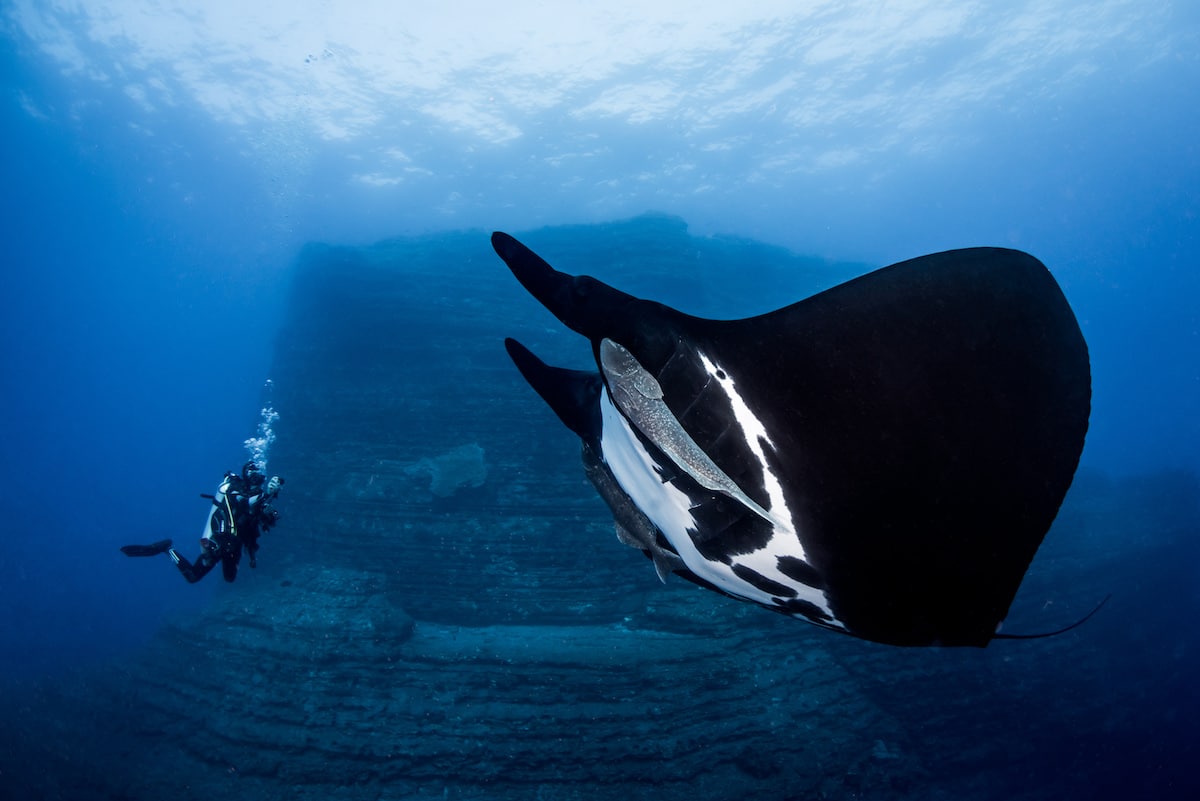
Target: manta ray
[(882, 459)]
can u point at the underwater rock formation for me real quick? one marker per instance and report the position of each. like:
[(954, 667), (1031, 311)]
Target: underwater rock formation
[(459, 468)]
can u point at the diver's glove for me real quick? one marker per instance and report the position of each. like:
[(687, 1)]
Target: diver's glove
[(273, 486), (267, 517)]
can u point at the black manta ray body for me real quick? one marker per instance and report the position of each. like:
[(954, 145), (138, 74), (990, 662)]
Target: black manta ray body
[(882, 459)]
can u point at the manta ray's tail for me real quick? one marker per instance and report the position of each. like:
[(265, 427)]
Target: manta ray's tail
[(1057, 632)]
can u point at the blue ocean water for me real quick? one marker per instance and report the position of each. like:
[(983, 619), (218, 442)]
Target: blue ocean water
[(163, 167)]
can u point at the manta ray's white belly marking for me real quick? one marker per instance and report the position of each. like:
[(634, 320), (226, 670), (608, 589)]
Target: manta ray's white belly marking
[(669, 508)]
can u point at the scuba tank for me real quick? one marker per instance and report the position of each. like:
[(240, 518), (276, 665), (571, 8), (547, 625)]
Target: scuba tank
[(220, 517)]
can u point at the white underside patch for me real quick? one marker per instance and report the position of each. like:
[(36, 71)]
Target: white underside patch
[(669, 508), (754, 433)]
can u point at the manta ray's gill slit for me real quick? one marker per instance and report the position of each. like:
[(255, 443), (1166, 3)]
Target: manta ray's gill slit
[(775, 588), (766, 564), (801, 571)]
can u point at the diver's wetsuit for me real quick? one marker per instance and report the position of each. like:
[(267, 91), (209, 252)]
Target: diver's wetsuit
[(240, 513)]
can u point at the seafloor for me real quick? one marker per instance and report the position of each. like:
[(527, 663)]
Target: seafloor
[(445, 612)]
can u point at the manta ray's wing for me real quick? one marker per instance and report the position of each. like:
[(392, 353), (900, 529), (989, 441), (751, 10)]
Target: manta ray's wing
[(883, 458)]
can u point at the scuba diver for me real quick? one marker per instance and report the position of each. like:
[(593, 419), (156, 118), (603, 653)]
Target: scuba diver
[(241, 512)]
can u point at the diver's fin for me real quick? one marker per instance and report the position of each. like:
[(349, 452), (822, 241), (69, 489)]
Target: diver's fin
[(162, 546), (1063, 630)]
